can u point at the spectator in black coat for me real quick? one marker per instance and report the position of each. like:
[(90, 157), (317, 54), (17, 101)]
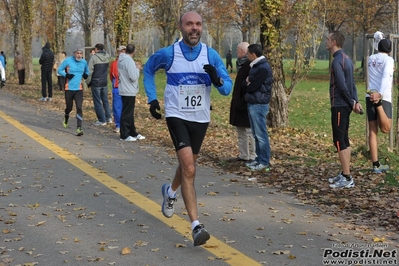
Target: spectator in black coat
[(47, 62), (238, 108)]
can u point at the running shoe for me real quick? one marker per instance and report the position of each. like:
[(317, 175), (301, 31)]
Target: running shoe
[(251, 163), (79, 131), (167, 204), (139, 137), (98, 123), (65, 123), (383, 168), (43, 99), (343, 183), (117, 130), (335, 179), (259, 167), (200, 235), (130, 138)]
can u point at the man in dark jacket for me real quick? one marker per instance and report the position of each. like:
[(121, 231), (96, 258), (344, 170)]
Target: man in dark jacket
[(238, 108), (344, 100), (47, 62), (98, 81), (258, 87)]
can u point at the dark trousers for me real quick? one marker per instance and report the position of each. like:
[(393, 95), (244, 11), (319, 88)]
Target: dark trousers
[(47, 80), (61, 83), (21, 76), (127, 118), (76, 96), (2, 82)]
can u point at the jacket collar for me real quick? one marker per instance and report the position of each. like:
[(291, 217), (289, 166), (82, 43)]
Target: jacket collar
[(257, 60)]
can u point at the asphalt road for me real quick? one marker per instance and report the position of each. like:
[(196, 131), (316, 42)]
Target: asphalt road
[(67, 200)]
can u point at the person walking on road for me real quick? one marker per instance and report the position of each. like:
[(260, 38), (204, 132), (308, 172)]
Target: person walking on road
[(74, 68), (2, 74), (47, 62), (98, 82), (344, 100), (379, 98), (3, 61), (191, 68), (239, 110), (129, 72), (229, 61)]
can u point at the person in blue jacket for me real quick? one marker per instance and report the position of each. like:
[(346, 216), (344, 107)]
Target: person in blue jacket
[(3, 63), (74, 68), (191, 68)]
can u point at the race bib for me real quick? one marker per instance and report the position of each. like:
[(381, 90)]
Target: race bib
[(191, 97)]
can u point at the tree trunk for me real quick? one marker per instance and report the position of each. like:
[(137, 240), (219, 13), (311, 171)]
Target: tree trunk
[(27, 22), (122, 21), (270, 40), (87, 36), (13, 16), (17, 46), (278, 114), (61, 26), (397, 122)]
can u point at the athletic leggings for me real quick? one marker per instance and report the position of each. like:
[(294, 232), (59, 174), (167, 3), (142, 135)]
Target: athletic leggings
[(70, 96)]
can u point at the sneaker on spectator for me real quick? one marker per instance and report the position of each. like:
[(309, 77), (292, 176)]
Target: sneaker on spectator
[(343, 183), (43, 99), (49, 99), (383, 168), (117, 130), (259, 167), (251, 163), (335, 179), (109, 121), (167, 204), (98, 123), (200, 235), (130, 138), (140, 137)]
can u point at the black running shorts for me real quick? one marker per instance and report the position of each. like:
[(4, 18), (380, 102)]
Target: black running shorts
[(186, 133)]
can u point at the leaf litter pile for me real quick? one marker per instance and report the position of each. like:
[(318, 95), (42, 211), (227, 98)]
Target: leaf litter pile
[(301, 162)]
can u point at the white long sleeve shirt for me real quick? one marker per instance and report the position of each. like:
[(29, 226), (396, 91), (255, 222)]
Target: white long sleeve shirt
[(380, 72)]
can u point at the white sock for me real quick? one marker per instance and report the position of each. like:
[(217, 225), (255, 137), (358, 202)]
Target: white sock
[(194, 224), (171, 193)]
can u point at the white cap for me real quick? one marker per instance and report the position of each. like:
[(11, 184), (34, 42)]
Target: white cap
[(121, 48), (378, 36)]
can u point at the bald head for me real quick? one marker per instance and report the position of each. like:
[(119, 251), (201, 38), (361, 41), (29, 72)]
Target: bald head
[(191, 28), (242, 49), (190, 15)]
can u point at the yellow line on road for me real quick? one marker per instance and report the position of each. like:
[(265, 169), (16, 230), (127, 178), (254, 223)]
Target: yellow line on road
[(220, 249)]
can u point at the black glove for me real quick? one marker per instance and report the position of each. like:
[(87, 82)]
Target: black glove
[(154, 105), (85, 76), (211, 70), (69, 76)]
